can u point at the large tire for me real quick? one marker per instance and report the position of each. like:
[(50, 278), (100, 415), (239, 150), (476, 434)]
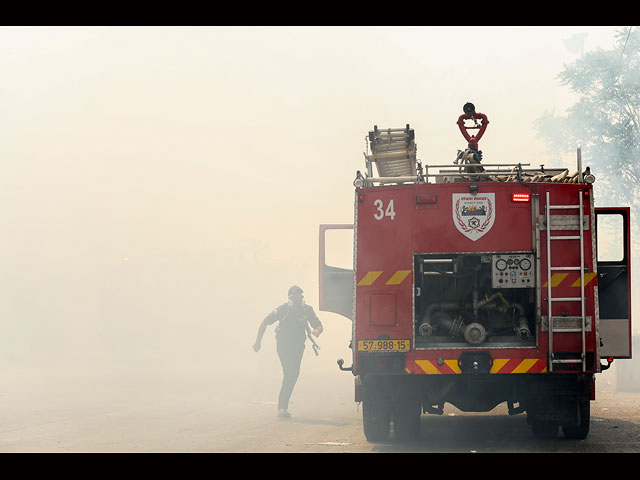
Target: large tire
[(581, 431), (376, 421), (406, 420)]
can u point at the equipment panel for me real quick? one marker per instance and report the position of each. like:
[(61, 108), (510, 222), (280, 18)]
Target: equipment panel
[(513, 271)]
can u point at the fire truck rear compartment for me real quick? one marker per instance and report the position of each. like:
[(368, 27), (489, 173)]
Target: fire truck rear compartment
[(474, 299)]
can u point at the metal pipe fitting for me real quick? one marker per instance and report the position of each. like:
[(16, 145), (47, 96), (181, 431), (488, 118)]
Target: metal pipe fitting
[(523, 325), (475, 333), (425, 329)]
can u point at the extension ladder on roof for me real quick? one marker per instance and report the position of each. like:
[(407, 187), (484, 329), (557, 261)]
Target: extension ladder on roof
[(393, 150)]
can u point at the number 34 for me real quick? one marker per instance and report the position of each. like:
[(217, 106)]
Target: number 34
[(381, 212)]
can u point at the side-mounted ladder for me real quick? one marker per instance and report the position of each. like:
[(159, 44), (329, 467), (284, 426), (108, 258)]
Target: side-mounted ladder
[(581, 298)]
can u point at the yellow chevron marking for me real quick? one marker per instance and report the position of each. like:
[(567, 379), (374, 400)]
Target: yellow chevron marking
[(587, 278), (369, 278), (556, 279), (398, 277), (453, 365), (498, 363), (427, 366), (525, 365)]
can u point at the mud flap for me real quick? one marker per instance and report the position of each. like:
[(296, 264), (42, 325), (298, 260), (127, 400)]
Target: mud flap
[(561, 411)]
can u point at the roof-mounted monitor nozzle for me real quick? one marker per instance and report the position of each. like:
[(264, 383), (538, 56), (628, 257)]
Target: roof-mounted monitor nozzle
[(480, 123), (469, 109)]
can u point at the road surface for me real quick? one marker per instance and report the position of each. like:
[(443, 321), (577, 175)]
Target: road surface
[(192, 409)]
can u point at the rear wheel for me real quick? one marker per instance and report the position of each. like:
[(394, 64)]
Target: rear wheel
[(581, 431), (406, 420), (376, 421)]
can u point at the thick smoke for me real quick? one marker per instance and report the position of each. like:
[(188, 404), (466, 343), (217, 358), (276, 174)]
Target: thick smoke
[(162, 188)]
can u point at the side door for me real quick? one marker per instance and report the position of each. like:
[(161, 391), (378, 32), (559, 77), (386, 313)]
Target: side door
[(336, 282), (613, 249)]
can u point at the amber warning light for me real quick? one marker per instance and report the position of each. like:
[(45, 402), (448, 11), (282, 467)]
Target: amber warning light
[(520, 197)]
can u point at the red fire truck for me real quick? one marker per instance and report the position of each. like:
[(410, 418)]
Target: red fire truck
[(477, 285)]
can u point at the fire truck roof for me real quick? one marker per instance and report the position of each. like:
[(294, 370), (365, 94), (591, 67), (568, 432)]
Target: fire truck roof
[(394, 153)]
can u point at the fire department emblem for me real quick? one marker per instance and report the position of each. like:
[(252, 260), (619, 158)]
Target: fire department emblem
[(473, 216)]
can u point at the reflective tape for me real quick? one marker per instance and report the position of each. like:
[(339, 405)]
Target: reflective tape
[(396, 278), (560, 279), (519, 365), (369, 278), (432, 368), (587, 278), (500, 365), (556, 279)]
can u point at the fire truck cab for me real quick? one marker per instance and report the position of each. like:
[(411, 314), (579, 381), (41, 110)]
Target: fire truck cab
[(477, 284)]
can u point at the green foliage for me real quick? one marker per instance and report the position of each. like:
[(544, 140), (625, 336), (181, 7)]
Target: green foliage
[(605, 121)]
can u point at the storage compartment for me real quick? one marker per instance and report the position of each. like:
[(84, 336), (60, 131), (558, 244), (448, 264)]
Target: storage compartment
[(471, 300), (383, 310)]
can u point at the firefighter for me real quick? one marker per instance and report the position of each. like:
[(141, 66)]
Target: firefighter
[(294, 318)]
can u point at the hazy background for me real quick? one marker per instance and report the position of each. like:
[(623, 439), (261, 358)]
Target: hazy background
[(162, 187)]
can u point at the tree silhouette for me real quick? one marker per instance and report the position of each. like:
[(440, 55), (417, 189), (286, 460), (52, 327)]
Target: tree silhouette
[(605, 121)]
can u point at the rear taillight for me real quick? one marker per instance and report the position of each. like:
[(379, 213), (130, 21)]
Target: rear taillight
[(521, 197)]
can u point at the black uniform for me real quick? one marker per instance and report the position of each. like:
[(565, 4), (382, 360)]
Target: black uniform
[(291, 334)]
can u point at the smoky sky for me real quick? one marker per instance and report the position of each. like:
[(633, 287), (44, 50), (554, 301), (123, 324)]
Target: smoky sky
[(162, 187)]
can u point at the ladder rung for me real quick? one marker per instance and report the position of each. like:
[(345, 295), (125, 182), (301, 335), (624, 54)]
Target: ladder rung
[(565, 268), (566, 299), (560, 207), (568, 360), (567, 330), (565, 237)]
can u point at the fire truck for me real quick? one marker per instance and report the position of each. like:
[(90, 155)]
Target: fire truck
[(478, 284)]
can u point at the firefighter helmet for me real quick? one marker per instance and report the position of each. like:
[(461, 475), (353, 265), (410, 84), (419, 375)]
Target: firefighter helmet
[(293, 290)]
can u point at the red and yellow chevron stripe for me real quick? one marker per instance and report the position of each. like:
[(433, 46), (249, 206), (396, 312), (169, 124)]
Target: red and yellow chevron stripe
[(519, 365), (396, 278), (500, 365), (565, 280), (432, 368)]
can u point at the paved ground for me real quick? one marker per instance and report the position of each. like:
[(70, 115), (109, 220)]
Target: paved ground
[(196, 410)]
